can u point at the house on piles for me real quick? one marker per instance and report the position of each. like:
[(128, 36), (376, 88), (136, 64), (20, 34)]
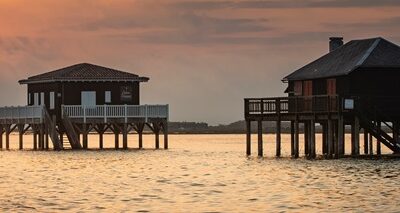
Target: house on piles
[(355, 84)]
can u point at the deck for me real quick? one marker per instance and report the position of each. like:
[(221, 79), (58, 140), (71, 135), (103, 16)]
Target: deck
[(332, 113)]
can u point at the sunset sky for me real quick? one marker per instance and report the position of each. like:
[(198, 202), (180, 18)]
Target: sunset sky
[(202, 57)]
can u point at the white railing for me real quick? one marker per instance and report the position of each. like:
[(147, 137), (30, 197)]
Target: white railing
[(27, 113), (116, 111)]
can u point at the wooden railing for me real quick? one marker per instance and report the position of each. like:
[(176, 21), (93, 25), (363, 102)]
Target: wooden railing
[(107, 112), (296, 104), (26, 114)]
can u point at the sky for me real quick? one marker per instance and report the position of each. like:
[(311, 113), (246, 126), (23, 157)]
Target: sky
[(202, 56)]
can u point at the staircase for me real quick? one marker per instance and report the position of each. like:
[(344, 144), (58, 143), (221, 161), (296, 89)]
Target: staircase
[(66, 143), (369, 117), (73, 138), (51, 128)]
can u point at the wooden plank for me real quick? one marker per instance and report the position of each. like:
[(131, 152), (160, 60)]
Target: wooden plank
[(260, 139), (278, 138), (248, 137)]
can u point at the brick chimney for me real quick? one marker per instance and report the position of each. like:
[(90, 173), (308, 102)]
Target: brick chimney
[(334, 43)]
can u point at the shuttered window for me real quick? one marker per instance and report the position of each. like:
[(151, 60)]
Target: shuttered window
[(298, 88), (331, 86), (307, 88), (107, 97)]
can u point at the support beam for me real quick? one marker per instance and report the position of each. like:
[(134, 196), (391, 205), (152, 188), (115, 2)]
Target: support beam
[(139, 129), (101, 140), (330, 138), (1, 136), (8, 132), (85, 136), (125, 136), (365, 142), (292, 138), (165, 131), (116, 135), (339, 152), (260, 139), (371, 147), (312, 152), (278, 138), (296, 138), (324, 138), (378, 143), (46, 142), (35, 140), (248, 137), (21, 131), (355, 137), (306, 137)]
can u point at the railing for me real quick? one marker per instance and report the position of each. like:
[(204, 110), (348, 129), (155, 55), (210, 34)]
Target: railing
[(22, 113), (295, 104), (107, 112)]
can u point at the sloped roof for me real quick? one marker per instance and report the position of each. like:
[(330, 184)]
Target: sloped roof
[(366, 53), (84, 72)]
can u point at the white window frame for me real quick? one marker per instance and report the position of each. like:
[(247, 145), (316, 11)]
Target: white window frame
[(107, 97), (52, 100), (42, 99), (36, 99), (29, 99), (86, 97)]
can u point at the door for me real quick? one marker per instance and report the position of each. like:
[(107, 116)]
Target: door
[(331, 92), (88, 98), (307, 93)]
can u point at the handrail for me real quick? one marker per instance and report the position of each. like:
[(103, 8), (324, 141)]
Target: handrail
[(26, 113), (107, 112), (293, 104)]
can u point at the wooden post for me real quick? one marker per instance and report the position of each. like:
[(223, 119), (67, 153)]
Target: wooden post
[(306, 137), (46, 144), (1, 136), (116, 135), (339, 151), (125, 136), (355, 137), (165, 131), (101, 140), (35, 141), (296, 138), (157, 135), (330, 138), (139, 129), (378, 142), (312, 152), (278, 138), (84, 136), (41, 137), (21, 128), (370, 146), (248, 137), (292, 138), (260, 139), (365, 142), (324, 138), (8, 131)]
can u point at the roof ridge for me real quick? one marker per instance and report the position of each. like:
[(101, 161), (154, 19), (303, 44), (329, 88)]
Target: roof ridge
[(368, 52)]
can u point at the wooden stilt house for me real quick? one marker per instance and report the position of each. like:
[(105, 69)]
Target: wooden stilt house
[(79, 99), (355, 84)]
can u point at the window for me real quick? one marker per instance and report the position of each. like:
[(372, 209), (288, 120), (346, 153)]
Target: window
[(307, 88), (42, 98), (36, 99), (52, 100), (107, 97), (88, 98)]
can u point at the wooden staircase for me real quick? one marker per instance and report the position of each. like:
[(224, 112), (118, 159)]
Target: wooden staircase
[(374, 122), (73, 138), (51, 128)]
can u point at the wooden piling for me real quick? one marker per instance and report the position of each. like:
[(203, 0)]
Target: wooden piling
[(324, 138), (35, 141), (296, 138), (278, 138), (378, 142), (84, 136), (370, 146), (21, 130), (339, 151), (1, 136), (248, 137), (101, 140), (355, 137), (116, 135), (292, 138), (330, 138), (8, 132), (306, 137), (365, 142), (312, 152), (139, 129), (46, 144), (260, 139), (165, 131), (125, 136)]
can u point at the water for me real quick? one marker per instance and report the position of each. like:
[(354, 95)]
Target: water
[(200, 173)]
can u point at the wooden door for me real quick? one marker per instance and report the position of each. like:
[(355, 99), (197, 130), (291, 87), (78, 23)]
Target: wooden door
[(331, 86), (307, 93)]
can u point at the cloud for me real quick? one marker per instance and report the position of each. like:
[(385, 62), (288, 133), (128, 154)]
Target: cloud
[(381, 25), (275, 4), (39, 48)]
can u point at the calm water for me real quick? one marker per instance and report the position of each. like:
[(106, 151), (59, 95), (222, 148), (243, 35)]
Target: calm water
[(200, 173)]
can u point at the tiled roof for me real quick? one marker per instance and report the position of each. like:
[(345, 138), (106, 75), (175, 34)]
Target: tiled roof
[(374, 52), (84, 72)]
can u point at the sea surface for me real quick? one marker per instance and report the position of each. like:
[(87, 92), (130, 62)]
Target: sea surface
[(199, 173)]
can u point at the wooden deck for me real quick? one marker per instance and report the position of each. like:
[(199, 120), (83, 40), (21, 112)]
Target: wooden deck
[(81, 120), (332, 113)]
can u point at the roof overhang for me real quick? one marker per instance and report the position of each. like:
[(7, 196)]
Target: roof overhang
[(40, 81)]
